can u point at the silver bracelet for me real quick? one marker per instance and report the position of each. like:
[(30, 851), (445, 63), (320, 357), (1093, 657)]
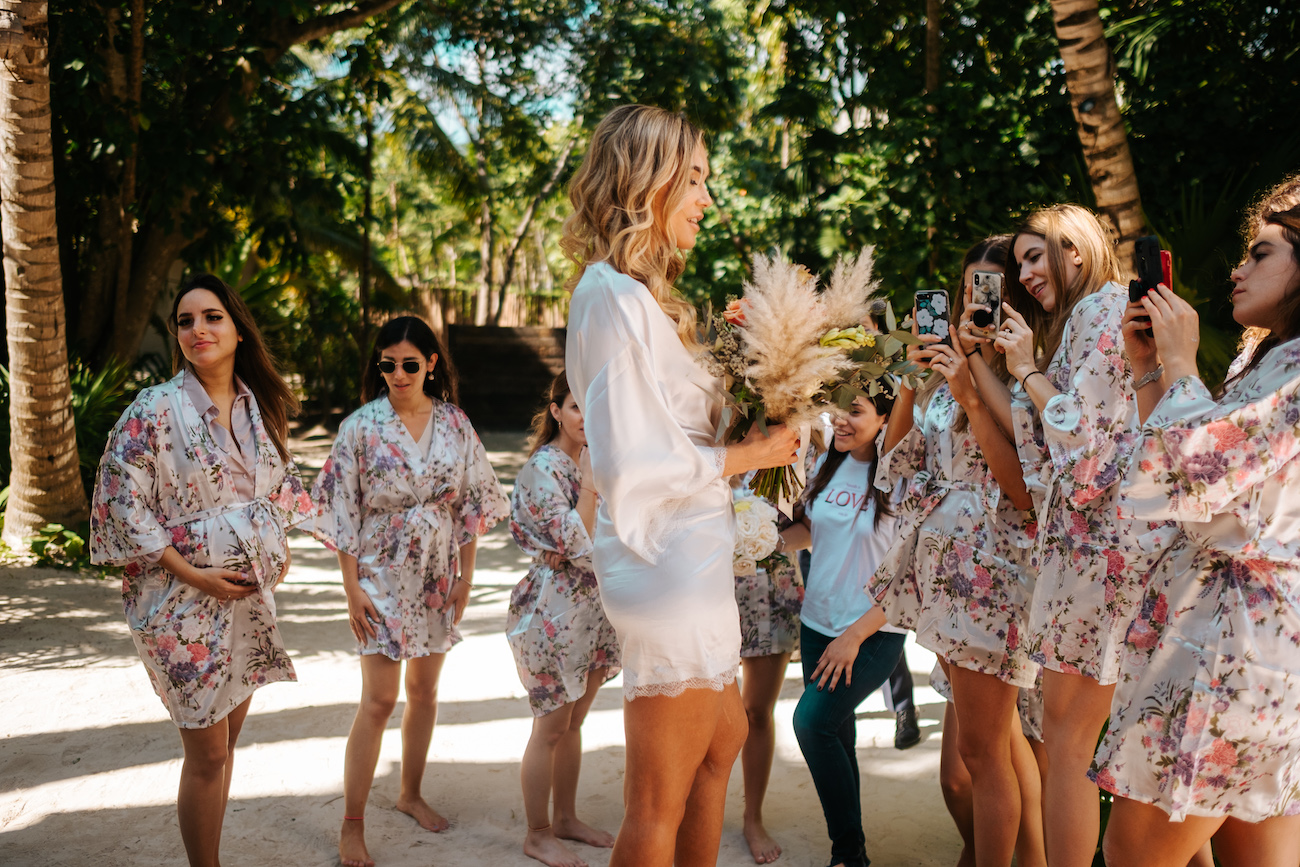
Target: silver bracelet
[(1149, 378)]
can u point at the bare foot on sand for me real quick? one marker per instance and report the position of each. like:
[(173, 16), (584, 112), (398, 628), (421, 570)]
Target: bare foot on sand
[(572, 829), (764, 849), (421, 812), (543, 846), (352, 845)]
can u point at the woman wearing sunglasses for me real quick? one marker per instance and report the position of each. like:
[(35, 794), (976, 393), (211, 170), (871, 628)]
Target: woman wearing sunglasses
[(404, 496)]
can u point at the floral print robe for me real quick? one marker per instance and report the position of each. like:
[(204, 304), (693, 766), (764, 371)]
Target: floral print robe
[(162, 483), (769, 601), (1206, 717), (1091, 557), (405, 515), (957, 572), (556, 626)]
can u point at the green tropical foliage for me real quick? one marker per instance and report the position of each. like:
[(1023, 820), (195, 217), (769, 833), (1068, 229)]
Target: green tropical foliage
[(414, 155)]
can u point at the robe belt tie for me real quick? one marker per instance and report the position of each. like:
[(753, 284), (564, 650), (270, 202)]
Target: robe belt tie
[(925, 482), (217, 511), (434, 514)]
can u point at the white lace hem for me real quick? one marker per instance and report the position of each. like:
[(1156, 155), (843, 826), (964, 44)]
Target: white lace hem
[(674, 688)]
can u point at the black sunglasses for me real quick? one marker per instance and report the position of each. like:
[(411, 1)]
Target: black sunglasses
[(387, 366)]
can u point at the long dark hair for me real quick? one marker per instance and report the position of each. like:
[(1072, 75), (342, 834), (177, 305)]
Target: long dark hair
[(1280, 207), (545, 427), (884, 403), (253, 363), (414, 330), (993, 250)]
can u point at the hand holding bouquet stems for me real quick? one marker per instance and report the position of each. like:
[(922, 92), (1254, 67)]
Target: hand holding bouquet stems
[(788, 352), (776, 446)]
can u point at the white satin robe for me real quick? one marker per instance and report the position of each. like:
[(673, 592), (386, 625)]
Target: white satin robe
[(665, 529)]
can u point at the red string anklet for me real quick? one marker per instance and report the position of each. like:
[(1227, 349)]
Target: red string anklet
[(354, 818)]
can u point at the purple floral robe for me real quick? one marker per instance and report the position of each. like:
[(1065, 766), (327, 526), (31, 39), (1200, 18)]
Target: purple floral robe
[(404, 516), (956, 574), (161, 483), (1091, 557), (556, 625), (1206, 717)]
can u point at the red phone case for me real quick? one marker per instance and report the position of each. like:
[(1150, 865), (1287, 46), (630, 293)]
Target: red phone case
[(1167, 267)]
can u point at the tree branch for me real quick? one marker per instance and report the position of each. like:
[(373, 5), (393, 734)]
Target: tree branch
[(323, 25)]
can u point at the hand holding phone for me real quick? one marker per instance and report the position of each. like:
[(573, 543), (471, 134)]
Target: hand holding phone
[(986, 291), (932, 314), (1154, 266)]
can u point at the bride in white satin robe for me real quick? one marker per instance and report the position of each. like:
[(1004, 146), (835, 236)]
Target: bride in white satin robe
[(665, 528), (665, 531)]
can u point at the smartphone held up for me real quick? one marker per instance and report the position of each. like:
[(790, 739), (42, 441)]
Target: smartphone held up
[(1153, 266), (986, 292), (932, 314)]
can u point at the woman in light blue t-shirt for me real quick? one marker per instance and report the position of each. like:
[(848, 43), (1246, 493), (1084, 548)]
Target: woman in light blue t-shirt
[(848, 649)]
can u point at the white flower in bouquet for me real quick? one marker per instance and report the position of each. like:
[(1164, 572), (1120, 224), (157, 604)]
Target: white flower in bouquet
[(748, 524), (756, 534), (753, 547)]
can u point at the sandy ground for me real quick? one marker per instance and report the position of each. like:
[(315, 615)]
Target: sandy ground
[(89, 761)]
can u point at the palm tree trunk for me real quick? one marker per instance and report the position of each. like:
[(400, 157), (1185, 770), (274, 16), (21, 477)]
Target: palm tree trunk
[(45, 484), (1090, 78)]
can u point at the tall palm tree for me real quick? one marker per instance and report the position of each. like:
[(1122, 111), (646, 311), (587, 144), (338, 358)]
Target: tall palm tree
[(45, 484), (1090, 78)]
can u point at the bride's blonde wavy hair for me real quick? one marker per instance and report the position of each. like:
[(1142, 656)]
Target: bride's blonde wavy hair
[(639, 155)]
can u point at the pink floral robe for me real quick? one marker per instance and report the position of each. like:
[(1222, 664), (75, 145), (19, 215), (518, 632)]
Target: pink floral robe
[(404, 516), (556, 626), (1091, 558), (957, 572), (161, 483), (1206, 717)]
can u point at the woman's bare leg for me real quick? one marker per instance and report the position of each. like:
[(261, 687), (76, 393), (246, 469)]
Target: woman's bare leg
[(380, 678), (205, 786), (567, 764), (760, 687), (955, 783), (1204, 856), (418, 719), (1141, 834), (679, 750), (1074, 709), (1030, 848), (1270, 843), (536, 775), (700, 833), (234, 725), (989, 706)]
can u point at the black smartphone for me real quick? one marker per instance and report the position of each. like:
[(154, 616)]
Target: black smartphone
[(932, 314), (1153, 265), (986, 289)]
